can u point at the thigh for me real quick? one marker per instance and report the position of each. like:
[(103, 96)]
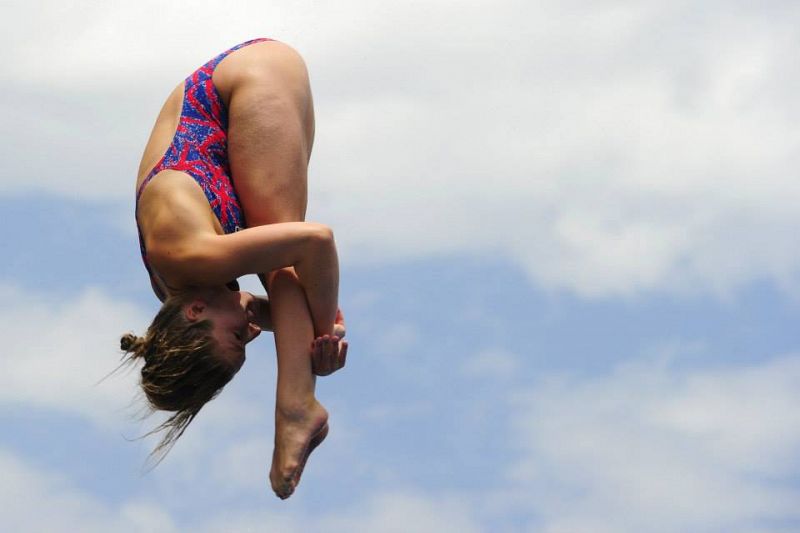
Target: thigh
[(270, 130)]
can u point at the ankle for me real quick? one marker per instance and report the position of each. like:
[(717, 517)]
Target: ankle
[(296, 408)]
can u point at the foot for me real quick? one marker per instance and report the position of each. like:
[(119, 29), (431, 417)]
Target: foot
[(315, 441), (328, 354), (297, 433)]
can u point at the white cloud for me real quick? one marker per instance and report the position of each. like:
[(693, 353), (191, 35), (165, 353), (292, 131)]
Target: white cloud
[(384, 512), (648, 447), (491, 364), (401, 511), (57, 348), (34, 500), (651, 448), (609, 149), (399, 337), (244, 465), (26, 490)]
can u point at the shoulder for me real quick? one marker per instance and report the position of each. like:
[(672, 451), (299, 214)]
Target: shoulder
[(172, 198), (174, 217)]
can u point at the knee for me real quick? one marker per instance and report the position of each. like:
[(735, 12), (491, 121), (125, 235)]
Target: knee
[(283, 53), (270, 71), (274, 60)]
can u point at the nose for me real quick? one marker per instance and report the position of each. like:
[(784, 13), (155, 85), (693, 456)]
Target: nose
[(253, 331), (245, 298)]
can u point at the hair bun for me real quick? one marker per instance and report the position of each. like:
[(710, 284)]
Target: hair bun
[(128, 342)]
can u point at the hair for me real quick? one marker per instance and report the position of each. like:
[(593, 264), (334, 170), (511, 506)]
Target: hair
[(182, 370)]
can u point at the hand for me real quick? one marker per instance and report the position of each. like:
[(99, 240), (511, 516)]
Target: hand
[(329, 352)]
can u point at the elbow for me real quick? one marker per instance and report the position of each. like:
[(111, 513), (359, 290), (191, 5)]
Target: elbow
[(320, 243), (205, 262), (320, 234)]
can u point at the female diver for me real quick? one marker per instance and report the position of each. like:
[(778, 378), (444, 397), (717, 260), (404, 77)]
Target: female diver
[(232, 144)]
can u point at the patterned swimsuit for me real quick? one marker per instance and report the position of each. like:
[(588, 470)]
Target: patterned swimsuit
[(200, 149)]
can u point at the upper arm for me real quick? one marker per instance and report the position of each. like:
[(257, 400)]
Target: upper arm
[(186, 251)]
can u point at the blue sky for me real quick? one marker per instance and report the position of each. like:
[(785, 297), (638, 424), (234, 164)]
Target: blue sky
[(569, 270)]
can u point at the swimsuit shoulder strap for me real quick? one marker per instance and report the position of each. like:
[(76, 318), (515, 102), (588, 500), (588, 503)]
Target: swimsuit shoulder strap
[(214, 62), (207, 70)]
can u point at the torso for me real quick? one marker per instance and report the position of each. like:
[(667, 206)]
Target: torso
[(162, 134), (186, 154)]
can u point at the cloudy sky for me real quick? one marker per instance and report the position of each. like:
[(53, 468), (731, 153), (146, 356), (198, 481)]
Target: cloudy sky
[(570, 269)]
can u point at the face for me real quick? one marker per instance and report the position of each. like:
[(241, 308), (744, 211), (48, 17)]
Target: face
[(233, 316)]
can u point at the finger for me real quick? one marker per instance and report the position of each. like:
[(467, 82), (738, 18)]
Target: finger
[(343, 354), (333, 347), (315, 362), (325, 342), (318, 350), (319, 364), (328, 355), (322, 359), (334, 357)]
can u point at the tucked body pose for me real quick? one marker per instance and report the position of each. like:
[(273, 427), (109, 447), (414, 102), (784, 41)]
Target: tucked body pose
[(222, 192)]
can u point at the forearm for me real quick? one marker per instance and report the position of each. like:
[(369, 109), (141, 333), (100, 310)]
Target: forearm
[(308, 248), (211, 259)]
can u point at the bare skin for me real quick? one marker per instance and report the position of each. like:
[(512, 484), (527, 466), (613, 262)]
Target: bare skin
[(270, 138), (271, 128), (299, 417)]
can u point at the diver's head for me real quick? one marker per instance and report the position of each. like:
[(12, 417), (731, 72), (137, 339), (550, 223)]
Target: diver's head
[(192, 349), (232, 317)]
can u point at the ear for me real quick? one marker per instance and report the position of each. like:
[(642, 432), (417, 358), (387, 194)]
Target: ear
[(194, 310)]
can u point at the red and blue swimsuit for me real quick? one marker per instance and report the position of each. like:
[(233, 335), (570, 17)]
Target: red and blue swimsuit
[(200, 149)]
